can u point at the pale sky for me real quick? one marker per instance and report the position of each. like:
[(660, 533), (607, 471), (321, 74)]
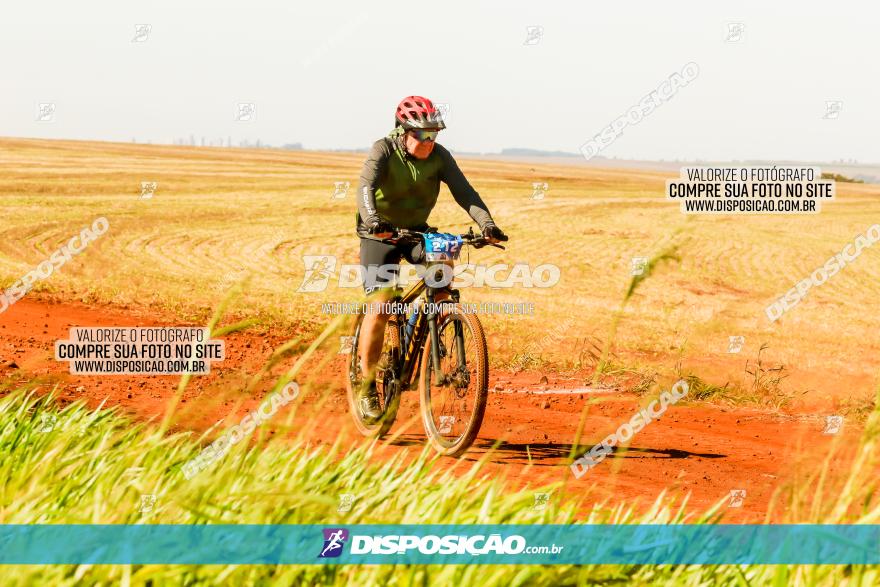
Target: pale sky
[(329, 74)]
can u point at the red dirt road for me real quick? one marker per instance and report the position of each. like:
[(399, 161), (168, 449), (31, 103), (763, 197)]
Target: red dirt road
[(697, 448)]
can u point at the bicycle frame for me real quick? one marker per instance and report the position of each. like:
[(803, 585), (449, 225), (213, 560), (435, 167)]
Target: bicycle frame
[(403, 356), (412, 355)]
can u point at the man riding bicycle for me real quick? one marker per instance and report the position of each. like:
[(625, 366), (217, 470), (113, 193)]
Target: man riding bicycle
[(399, 186)]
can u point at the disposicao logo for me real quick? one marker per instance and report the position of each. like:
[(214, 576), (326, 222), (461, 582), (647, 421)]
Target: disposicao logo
[(334, 540)]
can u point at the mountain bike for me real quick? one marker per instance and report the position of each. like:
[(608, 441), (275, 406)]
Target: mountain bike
[(436, 338)]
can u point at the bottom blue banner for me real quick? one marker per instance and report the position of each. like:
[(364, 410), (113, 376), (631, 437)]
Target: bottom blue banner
[(440, 544)]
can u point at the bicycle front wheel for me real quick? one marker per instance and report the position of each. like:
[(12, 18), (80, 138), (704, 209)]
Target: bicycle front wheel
[(453, 412)]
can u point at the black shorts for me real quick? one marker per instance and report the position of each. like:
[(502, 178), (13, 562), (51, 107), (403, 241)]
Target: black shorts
[(375, 253)]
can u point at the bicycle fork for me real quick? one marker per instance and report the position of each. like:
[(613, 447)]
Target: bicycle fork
[(433, 332), (439, 378)]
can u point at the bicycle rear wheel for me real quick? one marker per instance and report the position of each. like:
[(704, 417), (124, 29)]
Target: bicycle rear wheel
[(389, 396), (453, 413)]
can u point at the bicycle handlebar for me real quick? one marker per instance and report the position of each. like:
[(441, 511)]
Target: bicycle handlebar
[(477, 241)]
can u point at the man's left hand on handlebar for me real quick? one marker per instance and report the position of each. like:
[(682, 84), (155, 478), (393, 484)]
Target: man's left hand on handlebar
[(494, 234)]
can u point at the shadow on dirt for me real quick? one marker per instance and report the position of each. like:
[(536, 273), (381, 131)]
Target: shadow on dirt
[(540, 453), (544, 454)]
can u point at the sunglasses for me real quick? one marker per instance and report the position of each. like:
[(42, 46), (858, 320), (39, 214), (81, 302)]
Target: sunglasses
[(425, 135)]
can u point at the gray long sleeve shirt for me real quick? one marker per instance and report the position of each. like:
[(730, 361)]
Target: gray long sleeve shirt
[(403, 190)]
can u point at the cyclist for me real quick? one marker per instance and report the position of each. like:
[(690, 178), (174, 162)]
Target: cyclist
[(399, 185)]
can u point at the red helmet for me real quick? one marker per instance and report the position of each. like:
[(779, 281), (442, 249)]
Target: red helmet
[(418, 112)]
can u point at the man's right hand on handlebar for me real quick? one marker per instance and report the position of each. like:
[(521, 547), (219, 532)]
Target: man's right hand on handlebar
[(380, 227)]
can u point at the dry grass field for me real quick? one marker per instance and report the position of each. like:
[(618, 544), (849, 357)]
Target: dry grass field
[(219, 215)]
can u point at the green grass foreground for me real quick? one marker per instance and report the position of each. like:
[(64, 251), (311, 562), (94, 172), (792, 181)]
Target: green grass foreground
[(94, 466)]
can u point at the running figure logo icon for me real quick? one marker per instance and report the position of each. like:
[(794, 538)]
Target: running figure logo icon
[(446, 423), (735, 344), (319, 268), (539, 188), (334, 540), (346, 344), (148, 188), (638, 266), (833, 424), (340, 189)]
